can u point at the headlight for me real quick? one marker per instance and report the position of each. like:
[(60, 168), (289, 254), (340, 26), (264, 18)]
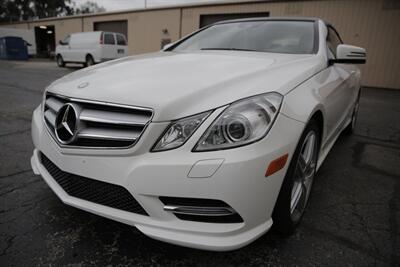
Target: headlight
[(178, 132), (243, 122)]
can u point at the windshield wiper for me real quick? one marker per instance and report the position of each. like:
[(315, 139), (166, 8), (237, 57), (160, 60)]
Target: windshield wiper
[(228, 49)]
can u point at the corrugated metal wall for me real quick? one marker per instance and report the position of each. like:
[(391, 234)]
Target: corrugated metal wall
[(373, 24)]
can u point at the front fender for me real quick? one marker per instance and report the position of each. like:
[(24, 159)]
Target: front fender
[(305, 100)]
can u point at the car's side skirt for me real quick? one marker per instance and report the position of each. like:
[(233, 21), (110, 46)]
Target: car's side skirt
[(331, 141)]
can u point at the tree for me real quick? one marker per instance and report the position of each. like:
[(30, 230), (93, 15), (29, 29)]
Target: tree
[(89, 7), (18, 10), (52, 8)]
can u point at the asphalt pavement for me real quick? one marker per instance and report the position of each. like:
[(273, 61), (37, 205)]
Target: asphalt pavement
[(352, 219)]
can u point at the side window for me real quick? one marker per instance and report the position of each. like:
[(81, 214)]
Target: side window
[(66, 40), (109, 39), (121, 39), (332, 41)]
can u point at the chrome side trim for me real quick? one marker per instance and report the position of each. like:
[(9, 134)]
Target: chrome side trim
[(53, 104), (108, 134), (113, 117), (50, 116), (200, 211), (78, 100)]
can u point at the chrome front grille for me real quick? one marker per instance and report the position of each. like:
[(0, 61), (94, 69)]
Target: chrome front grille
[(82, 123)]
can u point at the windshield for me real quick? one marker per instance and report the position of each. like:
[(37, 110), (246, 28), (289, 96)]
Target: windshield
[(291, 37)]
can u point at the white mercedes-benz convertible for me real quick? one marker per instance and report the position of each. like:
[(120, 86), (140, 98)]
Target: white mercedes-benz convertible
[(211, 141)]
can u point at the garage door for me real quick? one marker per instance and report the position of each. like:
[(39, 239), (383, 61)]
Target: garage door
[(120, 26), (213, 18)]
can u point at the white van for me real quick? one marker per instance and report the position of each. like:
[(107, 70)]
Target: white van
[(90, 48)]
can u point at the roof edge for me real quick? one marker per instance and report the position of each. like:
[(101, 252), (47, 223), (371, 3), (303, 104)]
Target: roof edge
[(277, 18)]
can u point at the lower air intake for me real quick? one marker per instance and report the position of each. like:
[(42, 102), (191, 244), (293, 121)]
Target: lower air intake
[(102, 193)]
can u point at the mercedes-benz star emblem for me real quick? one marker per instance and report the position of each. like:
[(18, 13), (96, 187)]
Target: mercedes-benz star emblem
[(66, 124)]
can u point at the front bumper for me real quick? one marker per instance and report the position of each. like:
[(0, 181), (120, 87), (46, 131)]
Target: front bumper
[(238, 180)]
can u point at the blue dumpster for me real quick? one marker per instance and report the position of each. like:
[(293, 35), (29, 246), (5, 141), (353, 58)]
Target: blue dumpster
[(13, 48)]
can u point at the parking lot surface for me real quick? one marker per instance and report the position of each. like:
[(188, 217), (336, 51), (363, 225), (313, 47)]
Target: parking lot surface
[(353, 217)]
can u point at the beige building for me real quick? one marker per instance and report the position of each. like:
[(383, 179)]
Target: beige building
[(373, 24)]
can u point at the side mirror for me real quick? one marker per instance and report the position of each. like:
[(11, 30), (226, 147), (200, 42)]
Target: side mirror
[(348, 54), (165, 47)]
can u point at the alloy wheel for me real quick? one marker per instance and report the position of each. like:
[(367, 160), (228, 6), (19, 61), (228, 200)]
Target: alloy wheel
[(89, 61), (60, 61), (304, 176)]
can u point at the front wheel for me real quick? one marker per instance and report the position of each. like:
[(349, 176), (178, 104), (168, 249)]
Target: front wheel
[(89, 61), (296, 187), (60, 61)]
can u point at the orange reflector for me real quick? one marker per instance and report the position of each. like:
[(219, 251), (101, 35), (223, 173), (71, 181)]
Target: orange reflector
[(276, 165)]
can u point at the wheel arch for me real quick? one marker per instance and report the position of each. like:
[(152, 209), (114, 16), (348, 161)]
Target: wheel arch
[(280, 218), (89, 55), (318, 117)]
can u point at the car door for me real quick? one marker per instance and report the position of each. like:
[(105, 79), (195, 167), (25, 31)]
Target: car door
[(339, 92), (109, 47), (80, 46), (64, 49), (75, 44), (121, 45)]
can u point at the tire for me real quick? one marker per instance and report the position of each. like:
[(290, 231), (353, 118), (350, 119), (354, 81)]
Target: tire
[(296, 187), (60, 61), (349, 130), (89, 61)]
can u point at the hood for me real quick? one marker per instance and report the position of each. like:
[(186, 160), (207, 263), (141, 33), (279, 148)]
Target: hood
[(180, 84)]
